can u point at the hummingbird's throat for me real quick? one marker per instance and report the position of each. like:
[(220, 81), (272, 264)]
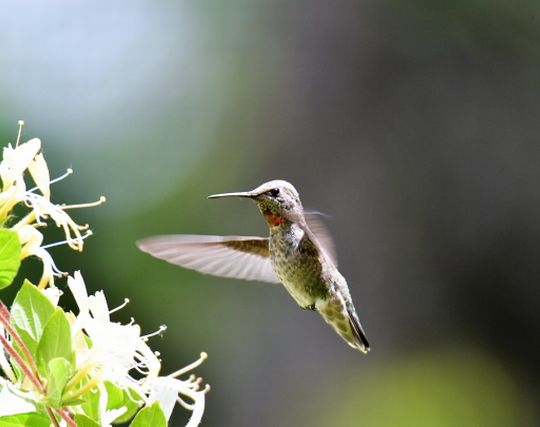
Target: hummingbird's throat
[(273, 220)]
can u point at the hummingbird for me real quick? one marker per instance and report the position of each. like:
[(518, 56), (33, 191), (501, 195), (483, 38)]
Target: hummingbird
[(299, 253)]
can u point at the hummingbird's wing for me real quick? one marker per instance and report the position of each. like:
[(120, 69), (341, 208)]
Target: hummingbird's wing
[(227, 256), (318, 232)]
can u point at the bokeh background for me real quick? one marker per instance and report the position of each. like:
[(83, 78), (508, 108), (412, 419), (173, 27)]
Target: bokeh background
[(415, 125)]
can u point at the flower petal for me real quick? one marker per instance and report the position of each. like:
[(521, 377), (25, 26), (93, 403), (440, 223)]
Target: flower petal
[(16, 161), (40, 174), (12, 404)]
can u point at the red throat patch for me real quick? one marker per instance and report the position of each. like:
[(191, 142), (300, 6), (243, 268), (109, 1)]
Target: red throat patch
[(273, 220)]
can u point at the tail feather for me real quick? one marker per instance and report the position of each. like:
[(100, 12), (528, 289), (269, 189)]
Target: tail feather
[(358, 331), (341, 316)]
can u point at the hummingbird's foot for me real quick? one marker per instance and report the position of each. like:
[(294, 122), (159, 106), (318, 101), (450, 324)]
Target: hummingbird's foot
[(309, 307)]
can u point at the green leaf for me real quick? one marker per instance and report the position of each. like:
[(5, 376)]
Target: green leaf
[(84, 421), (118, 398), (60, 371), (54, 342), (90, 406), (25, 420), (115, 395), (150, 416), (10, 256), (29, 313)]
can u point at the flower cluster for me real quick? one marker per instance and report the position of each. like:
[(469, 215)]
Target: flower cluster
[(15, 162), (61, 368)]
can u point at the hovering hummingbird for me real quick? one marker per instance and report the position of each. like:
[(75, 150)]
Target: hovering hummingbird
[(299, 253)]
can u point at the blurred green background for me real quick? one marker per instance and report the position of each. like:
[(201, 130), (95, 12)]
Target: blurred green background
[(414, 125)]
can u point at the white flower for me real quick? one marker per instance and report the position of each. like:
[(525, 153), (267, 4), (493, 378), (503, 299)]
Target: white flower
[(11, 401), (16, 161), (53, 294), (119, 354), (104, 350), (31, 239), (168, 389), (40, 174), (116, 349)]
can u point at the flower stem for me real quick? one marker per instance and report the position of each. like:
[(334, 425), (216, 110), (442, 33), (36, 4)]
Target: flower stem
[(28, 372), (4, 319), (54, 421), (66, 417)]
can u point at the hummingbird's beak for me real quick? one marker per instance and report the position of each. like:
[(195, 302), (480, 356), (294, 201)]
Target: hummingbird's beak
[(248, 194)]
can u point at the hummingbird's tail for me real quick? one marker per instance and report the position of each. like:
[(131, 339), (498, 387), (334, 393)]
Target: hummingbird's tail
[(359, 334), (343, 319)]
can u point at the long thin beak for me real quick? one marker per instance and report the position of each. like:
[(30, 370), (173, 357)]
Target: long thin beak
[(248, 194)]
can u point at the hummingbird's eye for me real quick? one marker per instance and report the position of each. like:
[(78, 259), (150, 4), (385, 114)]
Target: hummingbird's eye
[(274, 192)]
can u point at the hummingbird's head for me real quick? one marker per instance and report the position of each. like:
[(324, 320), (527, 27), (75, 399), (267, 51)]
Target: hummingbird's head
[(277, 200)]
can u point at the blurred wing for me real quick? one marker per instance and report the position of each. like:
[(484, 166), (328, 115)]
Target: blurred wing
[(227, 256), (322, 235)]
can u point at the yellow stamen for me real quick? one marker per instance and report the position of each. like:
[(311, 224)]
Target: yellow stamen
[(88, 386), (78, 376)]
